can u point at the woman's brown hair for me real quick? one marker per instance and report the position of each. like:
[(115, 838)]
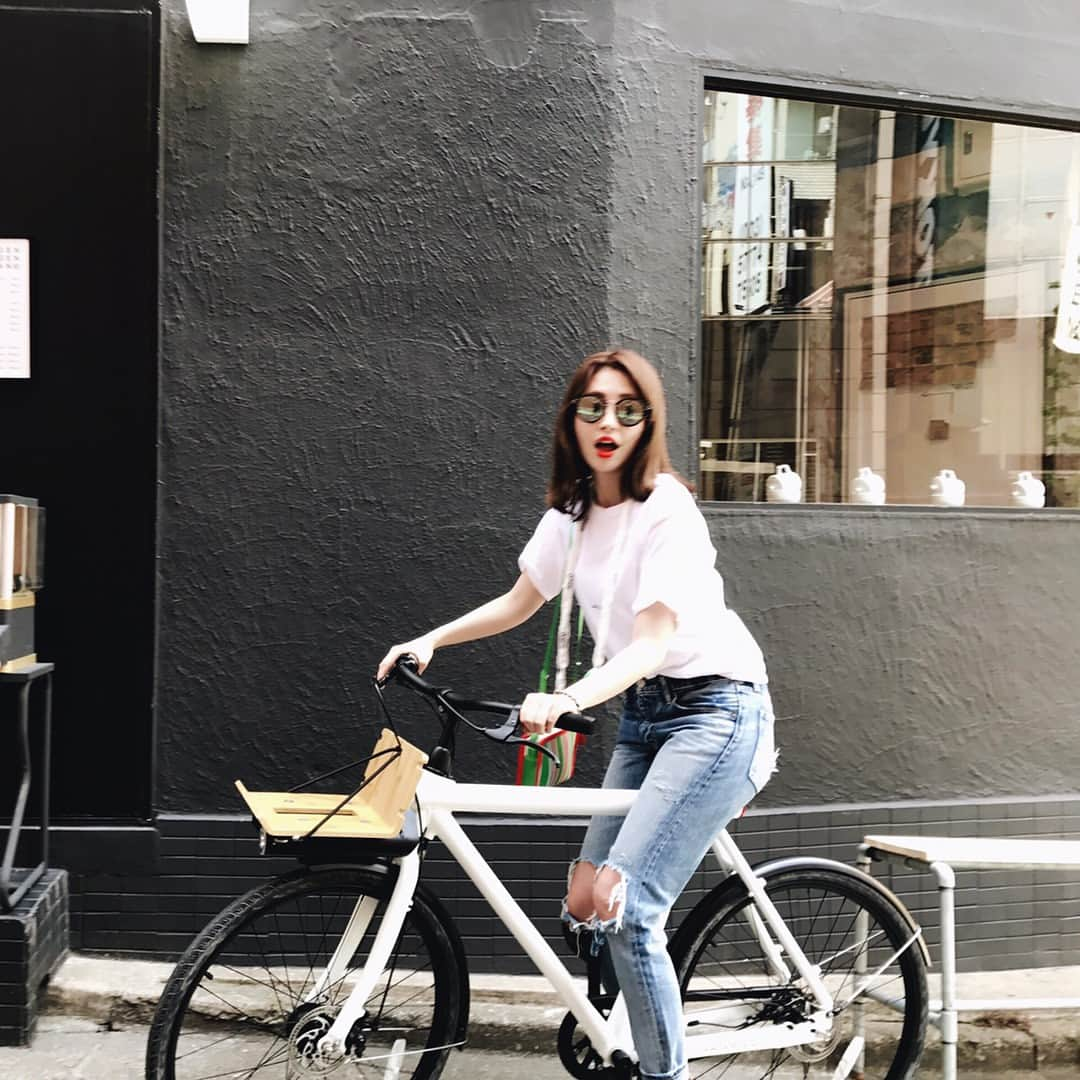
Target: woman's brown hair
[(570, 489)]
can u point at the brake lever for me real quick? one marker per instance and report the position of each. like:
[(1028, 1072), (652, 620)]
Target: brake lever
[(505, 731), (504, 734)]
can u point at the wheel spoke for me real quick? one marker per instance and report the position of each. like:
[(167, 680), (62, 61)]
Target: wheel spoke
[(267, 956), (822, 909)]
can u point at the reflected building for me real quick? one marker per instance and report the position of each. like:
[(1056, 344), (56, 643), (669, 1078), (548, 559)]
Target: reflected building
[(883, 289)]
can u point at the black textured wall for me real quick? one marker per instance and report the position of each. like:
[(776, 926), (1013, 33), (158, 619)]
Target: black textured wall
[(390, 232), (386, 244)]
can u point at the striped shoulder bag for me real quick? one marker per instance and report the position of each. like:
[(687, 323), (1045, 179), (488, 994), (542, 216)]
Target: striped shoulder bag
[(535, 769)]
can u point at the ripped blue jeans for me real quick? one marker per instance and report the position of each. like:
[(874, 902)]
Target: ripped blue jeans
[(699, 750)]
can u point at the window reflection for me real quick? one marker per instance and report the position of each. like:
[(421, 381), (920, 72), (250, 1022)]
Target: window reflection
[(888, 291)]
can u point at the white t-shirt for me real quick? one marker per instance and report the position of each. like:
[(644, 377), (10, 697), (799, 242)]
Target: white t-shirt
[(668, 557)]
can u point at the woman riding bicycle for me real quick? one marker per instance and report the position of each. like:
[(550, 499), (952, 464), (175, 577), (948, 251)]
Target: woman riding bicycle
[(624, 536)]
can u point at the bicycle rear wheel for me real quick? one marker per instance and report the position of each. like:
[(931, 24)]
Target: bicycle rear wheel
[(862, 947), (243, 999)]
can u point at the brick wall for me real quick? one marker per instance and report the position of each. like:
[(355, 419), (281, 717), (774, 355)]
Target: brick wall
[(33, 941), (1004, 919)]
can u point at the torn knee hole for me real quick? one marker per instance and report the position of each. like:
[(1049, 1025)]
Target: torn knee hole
[(609, 896), (578, 908)]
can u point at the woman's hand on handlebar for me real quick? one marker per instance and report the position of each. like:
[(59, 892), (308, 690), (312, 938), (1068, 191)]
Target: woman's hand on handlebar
[(541, 712), (422, 648)]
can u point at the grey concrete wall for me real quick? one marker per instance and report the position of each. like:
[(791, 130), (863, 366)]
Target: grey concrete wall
[(389, 233), (913, 655)]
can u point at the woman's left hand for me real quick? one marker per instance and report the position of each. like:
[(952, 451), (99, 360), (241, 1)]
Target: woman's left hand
[(541, 712)]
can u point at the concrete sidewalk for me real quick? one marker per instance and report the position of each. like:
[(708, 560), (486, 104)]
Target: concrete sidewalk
[(522, 1013)]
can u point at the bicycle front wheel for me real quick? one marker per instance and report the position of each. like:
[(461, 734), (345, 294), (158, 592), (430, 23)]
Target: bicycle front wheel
[(861, 946), (252, 996)]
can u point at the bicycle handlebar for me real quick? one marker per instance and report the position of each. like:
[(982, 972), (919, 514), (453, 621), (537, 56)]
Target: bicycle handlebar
[(405, 671)]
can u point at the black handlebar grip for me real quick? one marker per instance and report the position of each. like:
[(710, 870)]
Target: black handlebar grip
[(408, 670), (575, 721)]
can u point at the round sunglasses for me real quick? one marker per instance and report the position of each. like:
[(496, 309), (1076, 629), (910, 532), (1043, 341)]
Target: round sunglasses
[(629, 411)]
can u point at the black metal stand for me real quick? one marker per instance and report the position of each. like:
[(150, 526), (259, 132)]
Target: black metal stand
[(24, 679)]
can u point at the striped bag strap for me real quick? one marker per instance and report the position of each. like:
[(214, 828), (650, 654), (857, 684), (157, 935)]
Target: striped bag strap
[(566, 597)]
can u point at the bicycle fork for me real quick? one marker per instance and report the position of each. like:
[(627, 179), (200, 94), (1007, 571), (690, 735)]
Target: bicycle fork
[(332, 1044)]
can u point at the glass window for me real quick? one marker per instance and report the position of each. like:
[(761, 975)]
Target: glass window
[(890, 307)]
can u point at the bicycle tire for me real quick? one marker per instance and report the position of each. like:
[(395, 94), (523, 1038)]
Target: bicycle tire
[(283, 916), (715, 952)]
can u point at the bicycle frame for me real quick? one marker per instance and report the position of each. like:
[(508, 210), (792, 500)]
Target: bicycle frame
[(440, 799)]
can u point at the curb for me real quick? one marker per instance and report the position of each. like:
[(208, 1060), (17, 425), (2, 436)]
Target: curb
[(523, 1014)]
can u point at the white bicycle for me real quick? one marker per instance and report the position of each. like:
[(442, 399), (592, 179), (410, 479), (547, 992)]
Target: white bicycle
[(351, 967)]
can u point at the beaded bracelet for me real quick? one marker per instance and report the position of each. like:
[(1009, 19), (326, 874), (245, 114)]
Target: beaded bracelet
[(567, 694)]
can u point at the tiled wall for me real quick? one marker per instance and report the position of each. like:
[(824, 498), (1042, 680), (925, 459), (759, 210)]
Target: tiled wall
[(1004, 919), (33, 941)]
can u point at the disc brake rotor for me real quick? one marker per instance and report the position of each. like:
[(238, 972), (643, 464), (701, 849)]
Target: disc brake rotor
[(813, 1052), (304, 1059)]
